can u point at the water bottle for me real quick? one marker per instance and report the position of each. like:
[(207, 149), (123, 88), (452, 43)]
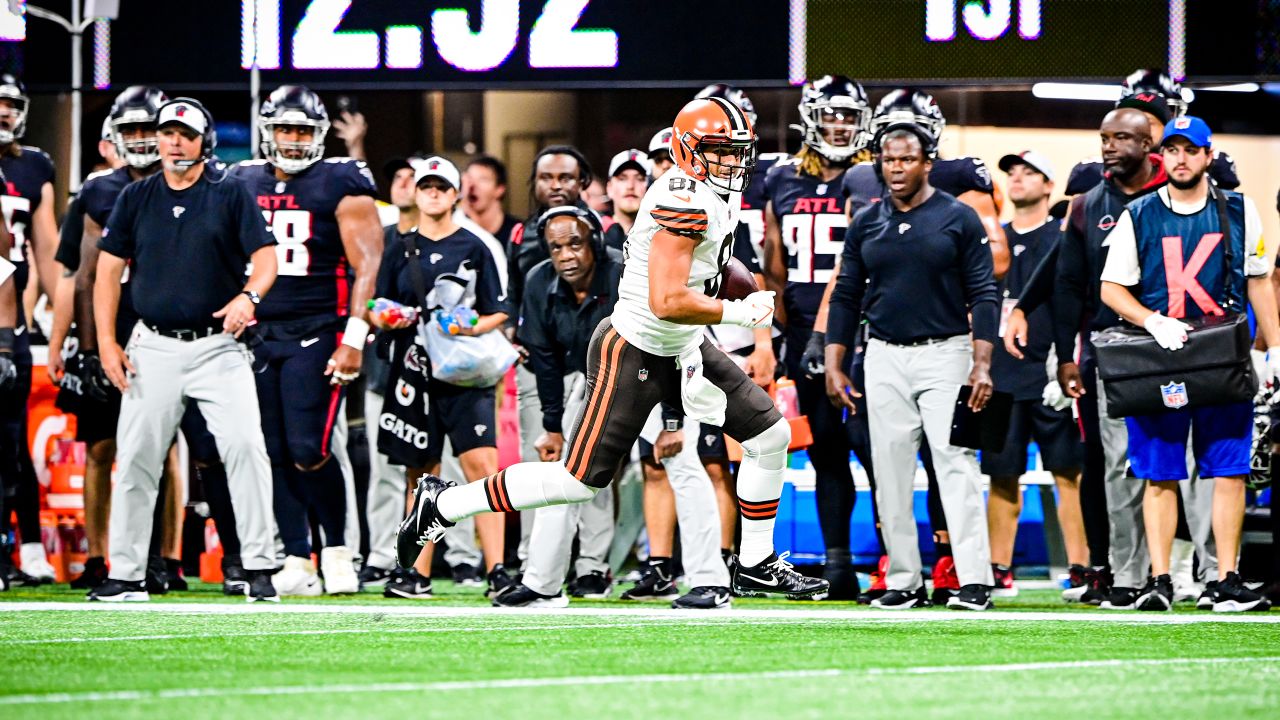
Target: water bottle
[(390, 312), (454, 320), (785, 398)]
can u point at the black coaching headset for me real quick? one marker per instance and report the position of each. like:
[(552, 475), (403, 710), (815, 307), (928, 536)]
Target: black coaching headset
[(588, 216)]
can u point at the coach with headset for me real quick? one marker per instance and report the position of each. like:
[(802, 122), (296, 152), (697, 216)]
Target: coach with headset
[(188, 235)]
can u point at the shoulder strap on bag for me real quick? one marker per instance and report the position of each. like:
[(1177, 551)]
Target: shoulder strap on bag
[(1228, 247)]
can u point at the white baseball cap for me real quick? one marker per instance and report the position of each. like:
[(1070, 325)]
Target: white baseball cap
[(630, 158), (1031, 159), (183, 113), (661, 142), (436, 166)]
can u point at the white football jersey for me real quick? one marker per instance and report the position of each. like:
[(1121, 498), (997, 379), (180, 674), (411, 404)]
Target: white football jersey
[(680, 204)]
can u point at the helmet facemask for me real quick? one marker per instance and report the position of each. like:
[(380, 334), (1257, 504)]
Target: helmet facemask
[(735, 160), (17, 115), (834, 119), (292, 157), (138, 152)]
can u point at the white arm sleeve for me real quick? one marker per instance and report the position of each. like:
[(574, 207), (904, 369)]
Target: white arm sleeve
[(1122, 259), (1258, 262)]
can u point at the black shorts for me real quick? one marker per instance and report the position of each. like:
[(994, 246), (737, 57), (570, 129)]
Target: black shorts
[(624, 383), (1054, 431), (96, 421), (711, 445), (298, 403), (467, 416)]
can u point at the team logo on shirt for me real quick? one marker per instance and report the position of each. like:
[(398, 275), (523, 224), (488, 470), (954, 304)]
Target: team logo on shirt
[(435, 258), (177, 211), (1174, 395), (1019, 249), (643, 374), (1106, 223), (689, 371), (903, 228), (480, 429), (404, 393)]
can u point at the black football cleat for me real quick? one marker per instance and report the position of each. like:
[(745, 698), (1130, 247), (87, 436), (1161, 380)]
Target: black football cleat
[(409, 584), (704, 598), (775, 576), (523, 596), (119, 591), (235, 581), (1157, 595), (657, 582), (595, 585), (371, 576), (95, 573), (261, 589), (499, 581), (1121, 598), (1205, 601), (971, 597), (902, 599), (423, 524)]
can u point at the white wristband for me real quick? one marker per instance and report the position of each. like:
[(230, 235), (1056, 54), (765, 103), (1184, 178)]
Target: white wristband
[(356, 333)]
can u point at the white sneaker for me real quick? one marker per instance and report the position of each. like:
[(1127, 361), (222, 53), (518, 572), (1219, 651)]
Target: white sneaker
[(35, 563), (297, 578), (339, 569)]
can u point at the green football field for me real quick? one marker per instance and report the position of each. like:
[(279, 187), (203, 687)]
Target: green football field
[(202, 655)]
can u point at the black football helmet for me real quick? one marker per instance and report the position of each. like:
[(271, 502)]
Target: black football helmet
[(12, 89), (137, 105), (834, 97), (913, 110), (733, 95), (292, 105), (1152, 86)]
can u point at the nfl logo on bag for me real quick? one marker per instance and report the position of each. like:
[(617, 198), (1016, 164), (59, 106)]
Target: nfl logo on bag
[(1174, 395)]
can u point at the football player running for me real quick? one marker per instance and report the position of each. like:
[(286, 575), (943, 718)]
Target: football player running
[(654, 349), (804, 229), (312, 325)]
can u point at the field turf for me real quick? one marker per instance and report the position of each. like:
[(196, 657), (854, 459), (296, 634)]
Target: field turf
[(198, 655)]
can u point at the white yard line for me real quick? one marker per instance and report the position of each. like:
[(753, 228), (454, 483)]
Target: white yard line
[(800, 612), (590, 680)]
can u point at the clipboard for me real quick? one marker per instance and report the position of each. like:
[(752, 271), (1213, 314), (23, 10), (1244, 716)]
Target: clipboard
[(986, 430)]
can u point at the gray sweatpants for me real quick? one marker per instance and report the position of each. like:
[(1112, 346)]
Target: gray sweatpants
[(529, 406), (911, 396), (551, 537), (1130, 560), (216, 373)]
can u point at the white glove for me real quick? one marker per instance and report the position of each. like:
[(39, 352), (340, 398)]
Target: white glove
[(1054, 397), (754, 311), (1169, 333), (1273, 366)]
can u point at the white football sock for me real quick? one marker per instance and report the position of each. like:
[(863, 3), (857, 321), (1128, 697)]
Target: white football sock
[(764, 459), (523, 486)]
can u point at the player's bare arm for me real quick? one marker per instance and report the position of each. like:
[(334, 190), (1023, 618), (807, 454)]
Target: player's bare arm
[(85, 280), (775, 260), (362, 240)]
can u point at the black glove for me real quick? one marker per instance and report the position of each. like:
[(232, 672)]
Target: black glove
[(814, 359), (93, 379), (8, 372)]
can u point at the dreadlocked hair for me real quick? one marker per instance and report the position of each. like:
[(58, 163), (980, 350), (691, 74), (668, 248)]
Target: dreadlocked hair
[(810, 162)]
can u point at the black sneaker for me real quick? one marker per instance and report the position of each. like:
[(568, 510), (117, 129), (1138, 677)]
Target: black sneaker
[(1121, 598), (409, 584), (775, 576), (371, 576), (120, 591), (703, 598), (1100, 581), (261, 589), (95, 573), (157, 576), (520, 595), (971, 597), (656, 582), (1231, 595), (235, 581), (1077, 583), (1157, 594), (902, 599), (592, 586), (499, 581), (173, 572), (423, 524), (839, 574), (1272, 592), (466, 575), (1205, 601)]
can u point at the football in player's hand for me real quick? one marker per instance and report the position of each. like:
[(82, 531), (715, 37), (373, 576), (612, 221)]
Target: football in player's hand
[(736, 281)]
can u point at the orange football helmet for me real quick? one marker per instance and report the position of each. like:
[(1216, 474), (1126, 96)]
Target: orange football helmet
[(722, 127)]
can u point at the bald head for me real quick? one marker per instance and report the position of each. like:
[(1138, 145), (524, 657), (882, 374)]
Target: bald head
[(1126, 141)]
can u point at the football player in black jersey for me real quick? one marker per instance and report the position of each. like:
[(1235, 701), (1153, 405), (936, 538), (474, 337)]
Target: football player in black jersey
[(804, 228), (8, 375), (27, 206), (313, 324), (1159, 97)]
